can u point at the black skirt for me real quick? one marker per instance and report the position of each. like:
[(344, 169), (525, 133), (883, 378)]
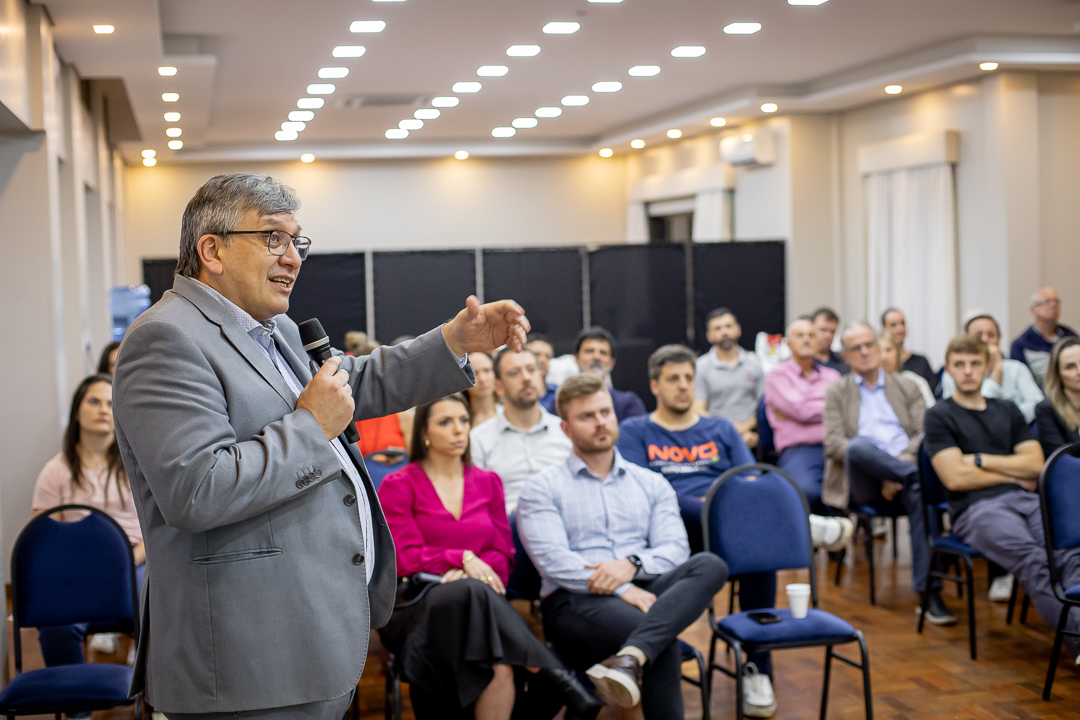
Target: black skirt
[(448, 642)]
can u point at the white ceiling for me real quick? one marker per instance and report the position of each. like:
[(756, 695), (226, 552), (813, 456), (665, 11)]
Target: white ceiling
[(242, 65)]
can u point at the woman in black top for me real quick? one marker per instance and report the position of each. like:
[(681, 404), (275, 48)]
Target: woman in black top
[(894, 323), (1058, 416)]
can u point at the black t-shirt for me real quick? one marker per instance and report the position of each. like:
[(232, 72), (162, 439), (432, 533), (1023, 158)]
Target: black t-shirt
[(997, 430), (919, 365)]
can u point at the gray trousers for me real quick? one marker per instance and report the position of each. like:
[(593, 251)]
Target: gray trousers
[(1008, 529), (324, 710)]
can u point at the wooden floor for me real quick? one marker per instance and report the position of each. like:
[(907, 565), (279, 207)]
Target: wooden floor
[(926, 676)]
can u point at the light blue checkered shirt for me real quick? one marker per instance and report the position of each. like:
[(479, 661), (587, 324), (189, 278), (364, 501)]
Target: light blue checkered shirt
[(570, 517)]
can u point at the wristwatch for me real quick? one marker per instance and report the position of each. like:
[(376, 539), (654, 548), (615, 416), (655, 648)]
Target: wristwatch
[(978, 460), (635, 560)]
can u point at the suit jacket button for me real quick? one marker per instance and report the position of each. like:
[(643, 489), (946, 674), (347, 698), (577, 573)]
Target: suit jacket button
[(358, 558), (349, 500), (300, 483)]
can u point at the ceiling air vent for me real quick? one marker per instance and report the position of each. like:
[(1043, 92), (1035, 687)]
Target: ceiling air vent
[(355, 102)]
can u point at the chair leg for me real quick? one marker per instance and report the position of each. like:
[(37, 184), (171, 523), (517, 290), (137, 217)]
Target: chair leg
[(970, 574), (706, 680), (894, 553), (840, 557), (1012, 603), (825, 681), (737, 647), (925, 602), (870, 559), (959, 586), (1024, 608), (868, 697), (1058, 637)]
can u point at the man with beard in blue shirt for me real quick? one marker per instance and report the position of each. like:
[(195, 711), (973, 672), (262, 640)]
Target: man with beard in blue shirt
[(691, 451)]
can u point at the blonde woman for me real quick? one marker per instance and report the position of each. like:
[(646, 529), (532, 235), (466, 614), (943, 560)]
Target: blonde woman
[(1058, 416)]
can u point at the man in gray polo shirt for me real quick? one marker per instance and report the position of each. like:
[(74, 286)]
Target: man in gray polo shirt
[(730, 381), (523, 438)]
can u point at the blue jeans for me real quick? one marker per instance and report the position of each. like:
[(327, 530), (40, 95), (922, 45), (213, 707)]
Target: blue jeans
[(806, 466), (63, 644)]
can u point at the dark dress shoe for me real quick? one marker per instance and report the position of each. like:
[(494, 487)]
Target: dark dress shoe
[(617, 680), (580, 703), (937, 612)]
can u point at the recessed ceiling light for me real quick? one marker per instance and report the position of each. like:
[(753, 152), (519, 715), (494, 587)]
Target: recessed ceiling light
[(166, 71), (170, 97), (310, 103), (988, 66), (523, 50), (307, 158), (426, 114), (173, 132), (605, 152), (643, 71), (894, 89), (345, 51), (172, 117), (548, 112), (176, 144), (149, 153), (411, 124), (104, 29), (688, 51), (333, 73), (301, 116), (285, 135), (769, 107), (367, 26), (492, 70), (524, 123), (444, 101), (149, 162), (462, 155), (637, 144), (674, 133), (396, 134), (718, 122), (321, 89), (575, 100), (747, 137), (466, 87), (807, 2), (607, 86), (503, 132), (742, 28), (561, 28), (294, 125)]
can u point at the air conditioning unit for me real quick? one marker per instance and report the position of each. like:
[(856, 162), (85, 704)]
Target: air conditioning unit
[(751, 148)]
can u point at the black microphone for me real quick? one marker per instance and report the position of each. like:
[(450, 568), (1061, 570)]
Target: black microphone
[(317, 344)]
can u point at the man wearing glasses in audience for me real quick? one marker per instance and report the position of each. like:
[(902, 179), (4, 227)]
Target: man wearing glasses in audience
[(1033, 346)]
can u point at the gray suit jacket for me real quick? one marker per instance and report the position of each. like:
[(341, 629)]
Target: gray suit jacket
[(256, 593), (842, 403)]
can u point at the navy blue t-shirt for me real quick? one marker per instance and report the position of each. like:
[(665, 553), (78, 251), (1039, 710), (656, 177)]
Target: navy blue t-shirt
[(689, 459)]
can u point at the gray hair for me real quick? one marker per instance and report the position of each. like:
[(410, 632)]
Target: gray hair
[(857, 325), (219, 205)]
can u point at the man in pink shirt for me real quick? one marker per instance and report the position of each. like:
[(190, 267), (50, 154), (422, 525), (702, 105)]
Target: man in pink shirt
[(795, 406)]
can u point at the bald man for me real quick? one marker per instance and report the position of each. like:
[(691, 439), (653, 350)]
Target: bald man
[(1034, 345)]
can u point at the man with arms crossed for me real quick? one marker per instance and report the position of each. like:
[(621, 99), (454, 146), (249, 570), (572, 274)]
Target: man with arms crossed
[(983, 451), (267, 553), (730, 381), (619, 584)]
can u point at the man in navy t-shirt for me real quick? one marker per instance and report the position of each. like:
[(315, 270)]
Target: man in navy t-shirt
[(691, 451)]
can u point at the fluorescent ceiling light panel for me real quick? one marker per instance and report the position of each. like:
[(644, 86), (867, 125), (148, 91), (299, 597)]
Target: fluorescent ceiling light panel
[(396, 134), (444, 101), (643, 71), (301, 116), (492, 70), (688, 51), (561, 28), (575, 100), (321, 89), (294, 125), (333, 73), (367, 26), (524, 123), (426, 114), (104, 29), (285, 135), (173, 132), (466, 87), (742, 28), (310, 103), (166, 71), (503, 132), (170, 97), (411, 124), (172, 117), (346, 51), (607, 86), (548, 112), (523, 50), (176, 144)]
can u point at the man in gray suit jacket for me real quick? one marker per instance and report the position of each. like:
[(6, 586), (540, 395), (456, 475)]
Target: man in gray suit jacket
[(268, 556)]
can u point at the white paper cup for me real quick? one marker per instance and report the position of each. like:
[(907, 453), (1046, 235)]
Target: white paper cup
[(798, 595)]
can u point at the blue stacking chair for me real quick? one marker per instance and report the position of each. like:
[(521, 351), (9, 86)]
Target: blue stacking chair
[(378, 470), (1059, 491), (766, 449), (64, 573), (865, 515), (762, 524)]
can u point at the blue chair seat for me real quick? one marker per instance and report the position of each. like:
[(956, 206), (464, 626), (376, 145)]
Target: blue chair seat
[(817, 627), (1073, 593), (885, 512), (952, 542), (62, 686)]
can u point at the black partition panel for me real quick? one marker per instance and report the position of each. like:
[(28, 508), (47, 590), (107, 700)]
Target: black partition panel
[(746, 277), (638, 293), (158, 276), (546, 282), (415, 291), (332, 288)]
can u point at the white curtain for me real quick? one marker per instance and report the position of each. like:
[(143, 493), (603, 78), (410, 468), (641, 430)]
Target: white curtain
[(911, 253)]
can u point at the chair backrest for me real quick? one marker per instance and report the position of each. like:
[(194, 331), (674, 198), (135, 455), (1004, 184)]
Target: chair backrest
[(71, 572), (934, 496), (758, 524), (378, 471), (1059, 493), (525, 579), (766, 441)]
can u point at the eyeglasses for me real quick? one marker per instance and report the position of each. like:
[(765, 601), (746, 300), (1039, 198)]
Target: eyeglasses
[(1049, 301), (277, 241)]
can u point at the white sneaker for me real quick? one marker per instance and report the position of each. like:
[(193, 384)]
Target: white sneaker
[(759, 701), (104, 643), (1001, 588), (831, 533)]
